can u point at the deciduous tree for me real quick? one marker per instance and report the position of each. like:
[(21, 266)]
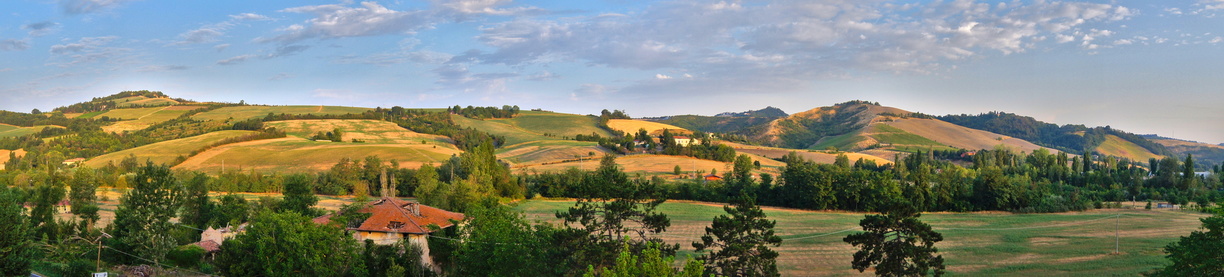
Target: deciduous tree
[(16, 248), (1199, 254), (288, 244), (142, 220)]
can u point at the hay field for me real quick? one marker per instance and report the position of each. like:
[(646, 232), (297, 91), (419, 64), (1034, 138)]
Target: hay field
[(130, 114), (155, 115), (815, 156), (144, 101), (14, 131), (631, 126), (641, 164), (535, 153), (369, 131), (4, 156), (296, 153), (1116, 146), (247, 112), (975, 244), (531, 126), (166, 151), (960, 137)]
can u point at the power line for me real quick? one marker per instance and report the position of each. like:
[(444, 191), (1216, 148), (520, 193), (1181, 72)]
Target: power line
[(825, 234)]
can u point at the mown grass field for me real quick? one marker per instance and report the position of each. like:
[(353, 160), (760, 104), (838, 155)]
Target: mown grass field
[(143, 101), (975, 244), (1116, 146), (166, 151), (297, 153), (144, 117), (247, 112), (14, 131), (632, 126)]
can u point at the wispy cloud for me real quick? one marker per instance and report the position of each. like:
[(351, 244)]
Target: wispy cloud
[(339, 21), (14, 44), (41, 28), (159, 68), (281, 51), (211, 32), (89, 6)]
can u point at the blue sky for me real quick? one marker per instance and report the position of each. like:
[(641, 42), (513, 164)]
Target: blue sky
[(1141, 66)]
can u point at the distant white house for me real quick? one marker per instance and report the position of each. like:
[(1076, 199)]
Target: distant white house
[(685, 141)]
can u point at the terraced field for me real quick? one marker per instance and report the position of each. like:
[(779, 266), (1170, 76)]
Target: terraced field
[(247, 112), (167, 151), (975, 244)]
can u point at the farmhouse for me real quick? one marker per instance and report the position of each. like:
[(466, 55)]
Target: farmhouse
[(392, 220), (685, 141)]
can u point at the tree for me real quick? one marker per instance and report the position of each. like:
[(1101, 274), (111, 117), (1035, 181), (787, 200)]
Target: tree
[(897, 244), (16, 248), (611, 208), (142, 220), (287, 244), (198, 209), (1199, 254), (299, 195), (42, 215), (83, 196), (502, 243), (742, 239), (650, 263)]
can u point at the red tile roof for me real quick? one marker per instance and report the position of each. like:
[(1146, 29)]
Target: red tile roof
[(391, 215), (209, 246)]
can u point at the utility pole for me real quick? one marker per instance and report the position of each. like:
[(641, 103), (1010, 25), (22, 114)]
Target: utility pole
[(99, 242)]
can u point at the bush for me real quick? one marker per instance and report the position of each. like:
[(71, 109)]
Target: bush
[(186, 256)]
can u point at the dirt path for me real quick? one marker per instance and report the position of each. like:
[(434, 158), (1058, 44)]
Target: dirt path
[(148, 114)]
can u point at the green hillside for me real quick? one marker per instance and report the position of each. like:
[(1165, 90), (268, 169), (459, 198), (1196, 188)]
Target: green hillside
[(166, 151), (248, 112)]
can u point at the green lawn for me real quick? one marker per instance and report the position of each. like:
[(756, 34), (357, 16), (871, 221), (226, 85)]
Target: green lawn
[(975, 244)]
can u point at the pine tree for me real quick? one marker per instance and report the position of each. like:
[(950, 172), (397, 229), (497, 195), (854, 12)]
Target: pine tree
[(897, 244), (739, 242)]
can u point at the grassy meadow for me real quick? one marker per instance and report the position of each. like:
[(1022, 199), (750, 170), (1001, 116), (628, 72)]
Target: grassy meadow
[(975, 244), (14, 131)]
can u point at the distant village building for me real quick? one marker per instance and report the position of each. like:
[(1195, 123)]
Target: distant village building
[(685, 141), (212, 238), (392, 220), (713, 177)]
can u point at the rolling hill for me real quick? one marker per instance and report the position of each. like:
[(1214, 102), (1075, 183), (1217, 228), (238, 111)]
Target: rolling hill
[(631, 126), (166, 152)]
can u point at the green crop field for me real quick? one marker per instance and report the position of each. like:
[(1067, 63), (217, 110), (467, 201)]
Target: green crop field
[(157, 115), (365, 130), (14, 131), (130, 114), (975, 244), (294, 154), (166, 151), (1116, 146), (247, 112), (558, 124), (514, 135), (842, 142)]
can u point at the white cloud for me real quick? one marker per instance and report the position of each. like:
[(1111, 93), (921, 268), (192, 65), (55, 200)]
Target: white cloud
[(338, 21), (41, 28), (88, 6), (1123, 42), (14, 44), (1216, 40), (235, 60), (543, 76), (462, 10), (221, 47), (790, 41), (82, 44), (662, 77), (201, 35), (281, 76), (158, 68), (249, 16), (1212, 4), (458, 77)]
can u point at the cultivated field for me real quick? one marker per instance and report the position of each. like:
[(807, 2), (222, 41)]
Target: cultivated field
[(975, 244), (960, 137), (296, 153), (4, 155), (247, 112), (143, 101), (1116, 146), (167, 151), (654, 165), (140, 118), (631, 126), (14, 131), (530, 154), (817, 156), (369, 131)]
